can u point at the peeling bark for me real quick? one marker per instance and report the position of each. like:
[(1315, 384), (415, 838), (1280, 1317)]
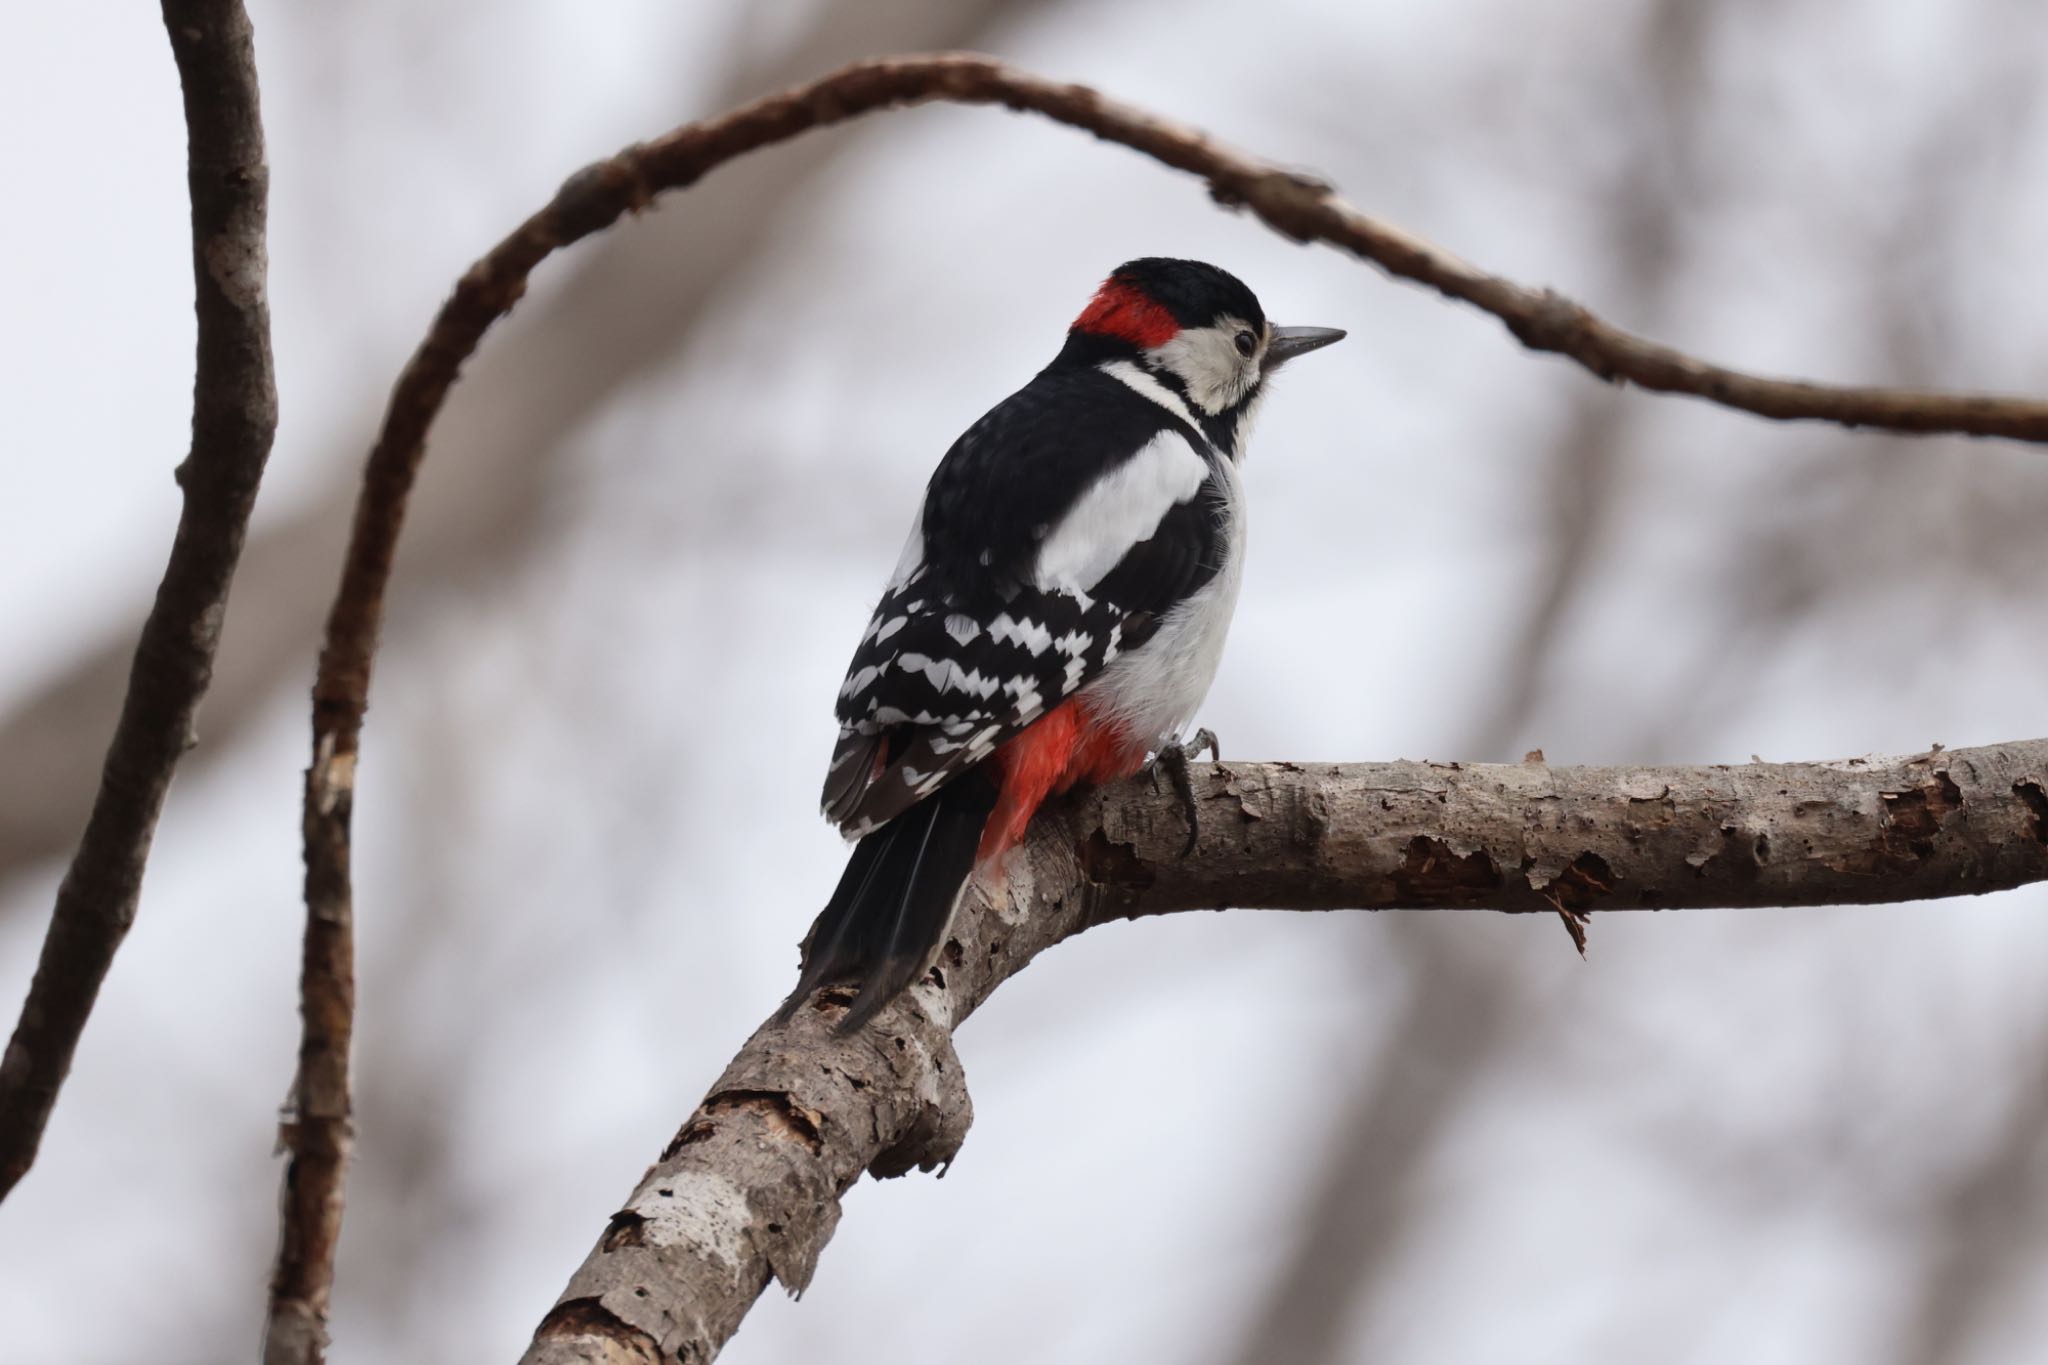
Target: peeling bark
[(748, 1190), (1524, 837)]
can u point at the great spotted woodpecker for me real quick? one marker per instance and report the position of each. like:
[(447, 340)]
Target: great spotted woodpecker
[(1057, 614)]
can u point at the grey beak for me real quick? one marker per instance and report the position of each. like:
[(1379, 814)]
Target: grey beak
[(1289, 342)]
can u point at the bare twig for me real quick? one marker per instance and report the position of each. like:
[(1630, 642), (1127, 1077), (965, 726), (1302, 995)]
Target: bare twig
[(749, 1187), (627, 309), (628, 303), (1295, 205), (1291, 203), (234, 415), (317, 1133), (584, 358)]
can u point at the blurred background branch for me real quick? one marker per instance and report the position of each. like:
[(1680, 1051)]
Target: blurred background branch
[(1464, 999), (1297, 206), (1725, 1138), (627, 310)]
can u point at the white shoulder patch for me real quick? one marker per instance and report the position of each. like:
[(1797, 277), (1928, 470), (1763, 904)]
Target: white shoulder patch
[(1117, 511)]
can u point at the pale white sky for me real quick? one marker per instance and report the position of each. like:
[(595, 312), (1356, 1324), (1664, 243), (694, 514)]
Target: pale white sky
[(594, 777)]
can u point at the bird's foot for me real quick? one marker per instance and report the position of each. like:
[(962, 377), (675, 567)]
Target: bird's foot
[(1174, 760)]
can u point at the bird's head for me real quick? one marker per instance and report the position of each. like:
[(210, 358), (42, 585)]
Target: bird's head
[(1195, 328)]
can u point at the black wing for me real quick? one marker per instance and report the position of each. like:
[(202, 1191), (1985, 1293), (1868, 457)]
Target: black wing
[(967, 648)]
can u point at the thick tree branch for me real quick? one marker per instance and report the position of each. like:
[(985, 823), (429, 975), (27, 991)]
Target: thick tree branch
[(749, 1187), (924, 1127), (234, 415)]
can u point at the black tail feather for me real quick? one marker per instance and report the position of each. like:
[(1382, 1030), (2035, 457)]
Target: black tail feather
[(893, 902)]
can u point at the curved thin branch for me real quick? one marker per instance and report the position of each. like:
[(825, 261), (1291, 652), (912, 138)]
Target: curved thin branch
[(749, 1188), (629, 306), (1293, 204), (234, 416)]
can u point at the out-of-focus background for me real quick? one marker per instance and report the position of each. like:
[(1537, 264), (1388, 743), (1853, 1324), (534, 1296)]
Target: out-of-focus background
[(664, 497)]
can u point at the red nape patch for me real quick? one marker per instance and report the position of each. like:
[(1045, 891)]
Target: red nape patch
[(1062, 749), (1122, 310)]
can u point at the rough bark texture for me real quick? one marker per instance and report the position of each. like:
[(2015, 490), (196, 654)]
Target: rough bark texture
[(1526, 836), (748, 1189), (685, 1263), (1295, 205), (234, 415)]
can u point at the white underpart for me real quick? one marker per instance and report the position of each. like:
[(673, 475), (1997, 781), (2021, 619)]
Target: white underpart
[(1152, 692), (1117, 511)]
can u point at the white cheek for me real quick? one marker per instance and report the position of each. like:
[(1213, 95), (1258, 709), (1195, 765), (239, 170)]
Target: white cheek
[(1226, 384), (1208, 363)]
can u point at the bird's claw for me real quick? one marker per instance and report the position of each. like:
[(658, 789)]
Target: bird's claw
[(1174, 758)]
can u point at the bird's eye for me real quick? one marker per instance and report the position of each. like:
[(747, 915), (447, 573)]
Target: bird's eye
[(1246, 344)]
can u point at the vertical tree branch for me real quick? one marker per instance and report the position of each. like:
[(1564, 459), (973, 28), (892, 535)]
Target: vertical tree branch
[(627, 309), (234, 416), (1359, 1214), (617, 315), (1974, 1247), (317, 1131)]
